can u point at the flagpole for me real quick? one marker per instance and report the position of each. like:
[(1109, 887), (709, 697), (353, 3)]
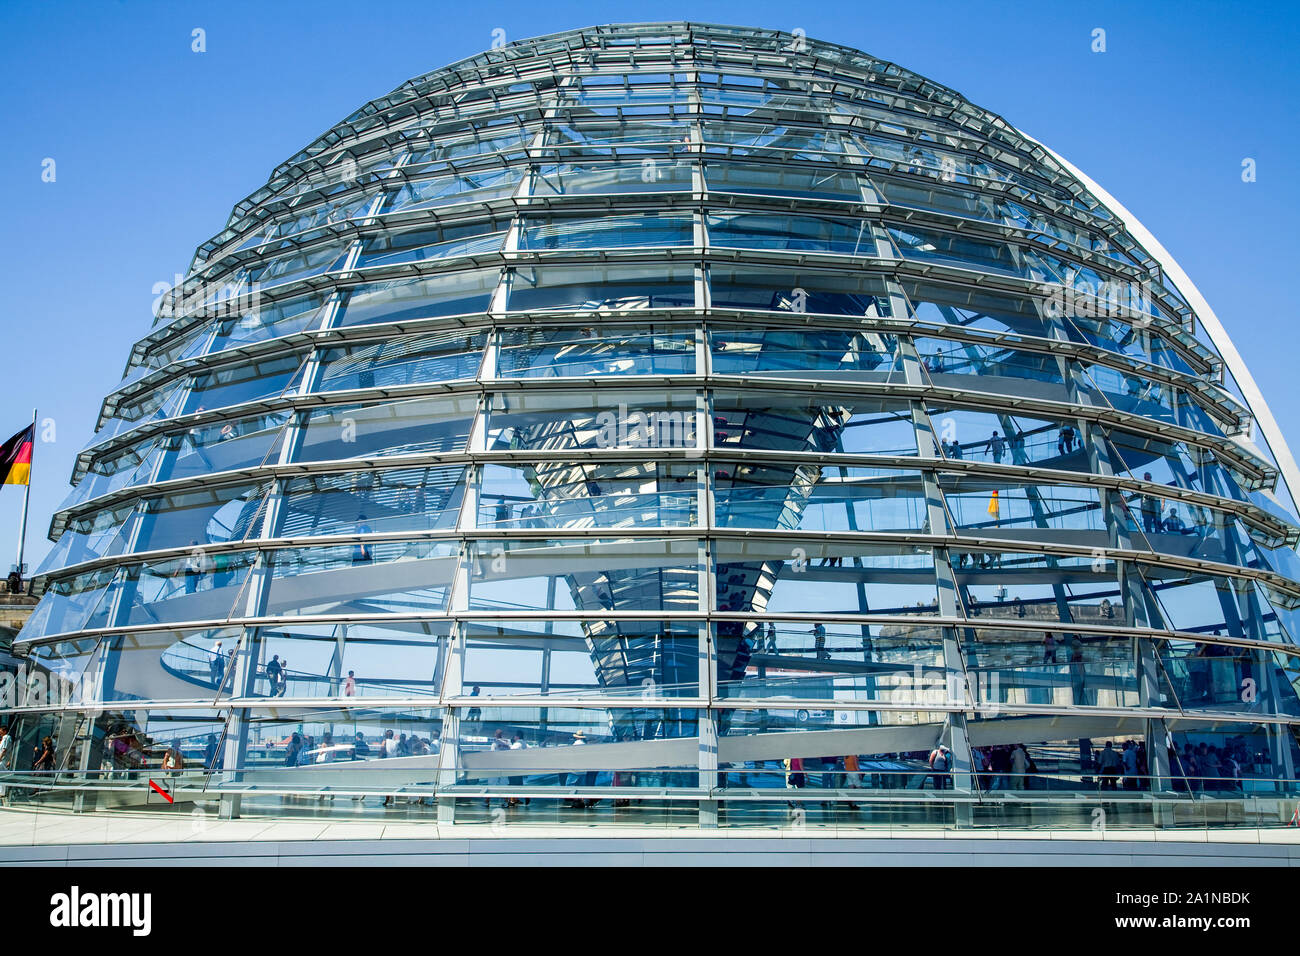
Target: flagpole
[(27, 495)]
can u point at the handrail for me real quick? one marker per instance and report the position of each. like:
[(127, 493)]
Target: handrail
[(772, 781)]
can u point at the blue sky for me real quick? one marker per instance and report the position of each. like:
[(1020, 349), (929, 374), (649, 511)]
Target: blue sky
[(154, 143)]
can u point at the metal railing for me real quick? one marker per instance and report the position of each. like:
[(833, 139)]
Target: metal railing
[(782, 797)]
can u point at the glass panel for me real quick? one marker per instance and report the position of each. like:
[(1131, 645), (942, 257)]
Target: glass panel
[(477, 186), (811, 670), (829, 577), (96, 535), (396, 428), (1173, 463), (297, 265), (605, 495), (356, 659), (988, 506), (68, 603), (374, 577), (202, 517), (557, 736), (785, 423), (967, 434), (296, 751), (975, 309), (1036, 668), (162, 591), (1065, 588), (659, 174), (247, 382), (604, 419), (963, 253), (421, 245), (271, 321), (628, 350), (806, 353), (223, 446), (813, 498), (609, 232), (591, 287), (738, 287), (782, 181), (129, 466), (852, 237), (607, 137), (454, 293), (642, 659), (942, 358), (406, 499), (624, 575), (781, 140), (409, 360)]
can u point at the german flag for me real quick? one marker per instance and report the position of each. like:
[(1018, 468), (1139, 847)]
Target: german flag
[(16, 457)]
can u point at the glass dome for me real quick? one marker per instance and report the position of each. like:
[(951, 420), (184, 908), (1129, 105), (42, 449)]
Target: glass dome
[(659, 418)]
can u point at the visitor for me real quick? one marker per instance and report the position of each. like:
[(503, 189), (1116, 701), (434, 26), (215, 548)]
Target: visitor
[(217, 665), (979, 765), (350, 685), (273, 672), (1000, 765), (6, 746), (6, 754), (795, 778), (819, 640), (1211, 768), (852, 771), (193, 567), (1174, 524), (43, 755), (361, 550), (1150, 506), (1192, 768), (997, 447), (499, 745), (517, 743), (220, 570), (1110, 765), (6, 751), (1019, 767), (1129, 757), (940, 765), (173, 760)]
